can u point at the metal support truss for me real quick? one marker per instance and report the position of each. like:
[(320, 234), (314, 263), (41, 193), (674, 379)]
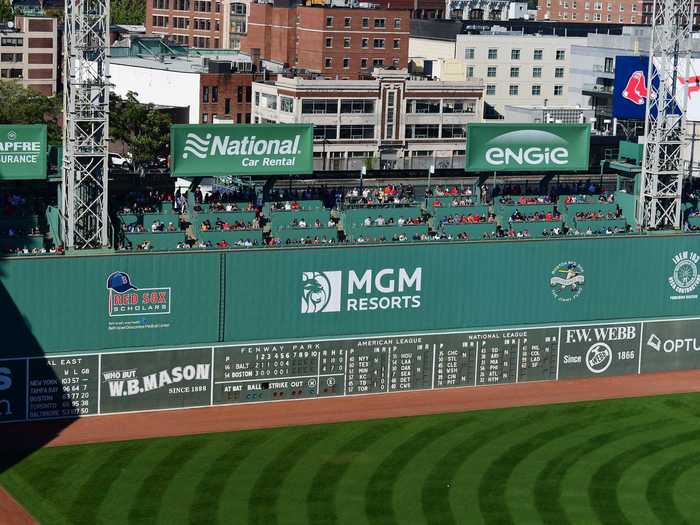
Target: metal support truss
[(662, 167), (86, 129)]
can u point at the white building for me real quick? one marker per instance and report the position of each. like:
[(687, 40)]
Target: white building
[(519, 69), (392, 120)]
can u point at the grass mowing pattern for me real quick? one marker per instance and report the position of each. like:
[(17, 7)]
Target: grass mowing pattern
[(563, 464)]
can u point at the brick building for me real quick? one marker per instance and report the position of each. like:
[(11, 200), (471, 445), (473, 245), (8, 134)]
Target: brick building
[(195, 23), (29, 53), (592, 11), (345, 43), (213, 88)]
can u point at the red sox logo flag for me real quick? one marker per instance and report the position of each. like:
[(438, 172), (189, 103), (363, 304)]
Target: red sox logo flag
[(636, 90)]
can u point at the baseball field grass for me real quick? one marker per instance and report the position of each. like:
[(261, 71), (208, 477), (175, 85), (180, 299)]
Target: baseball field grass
[(615, 462)]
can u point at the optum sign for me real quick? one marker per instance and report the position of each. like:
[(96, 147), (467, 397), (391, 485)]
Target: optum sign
[(527, 147), (241, 149)]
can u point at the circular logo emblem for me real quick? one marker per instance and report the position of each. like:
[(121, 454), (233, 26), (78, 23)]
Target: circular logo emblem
[(12, 135), (566, 281), (316, 292), (685, 277), (599, 358)]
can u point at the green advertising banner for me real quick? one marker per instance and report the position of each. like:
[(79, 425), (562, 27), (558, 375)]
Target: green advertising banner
[(527, 147), (22, 152), (406, 288), (241, 149)]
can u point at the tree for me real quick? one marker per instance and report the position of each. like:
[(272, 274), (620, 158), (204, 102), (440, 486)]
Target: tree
[(20, 105), (141, 127), (6, 11), (128, 12)]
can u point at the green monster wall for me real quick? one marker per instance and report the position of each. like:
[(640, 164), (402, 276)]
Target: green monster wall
[(282, 294)]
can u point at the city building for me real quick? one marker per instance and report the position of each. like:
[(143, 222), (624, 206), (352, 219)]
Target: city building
[(389, 120), (213, 87), (528, 70), (195, 23), (594, 11), (334, 42), (29, 50), (497, 10)]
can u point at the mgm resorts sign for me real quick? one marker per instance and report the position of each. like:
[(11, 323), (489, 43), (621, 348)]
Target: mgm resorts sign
[(527, 147), (242, 149)]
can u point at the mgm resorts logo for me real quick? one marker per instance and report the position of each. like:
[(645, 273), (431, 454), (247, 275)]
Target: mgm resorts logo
[(527, 147), (386, 289), (685, 277)]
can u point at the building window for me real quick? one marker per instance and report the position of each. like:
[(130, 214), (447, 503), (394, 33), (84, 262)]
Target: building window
[(357, 132), (357, 106), (493, 54), (458, 106), (257, 98), (397, 23), (513, 90), (328, 62), (287, 104), (378, 43), (365, 43), (378, 62), (365, 22), (329, 42), (397, 43), (514, 72), (515, 54), (536, 90), (205, 118), (491, 89), (491, 71), (346, 63), (214, 94), (558, 72), (347, 22), (248, 90), (227, 106), (11, 57), (558, 90), (454, 131), (469, 53), (325, 132), (346, 42), (537, 54), (363, 63), (379, 23), (205, 94), (329, 21), (609, 66), (423, 131), (561, 54), (470, 71), (414, 105), (319, 106), (536, 72)]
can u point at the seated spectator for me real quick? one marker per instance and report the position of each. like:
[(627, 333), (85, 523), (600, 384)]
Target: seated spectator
[(317, 223)]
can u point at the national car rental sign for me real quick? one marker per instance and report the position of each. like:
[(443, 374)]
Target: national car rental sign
[(241, 149), (527, 147)]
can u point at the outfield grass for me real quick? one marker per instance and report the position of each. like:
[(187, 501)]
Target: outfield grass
[(631, 461)]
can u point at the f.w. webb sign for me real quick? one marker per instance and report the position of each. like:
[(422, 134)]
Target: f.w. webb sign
[(241, 149), (527, 147)]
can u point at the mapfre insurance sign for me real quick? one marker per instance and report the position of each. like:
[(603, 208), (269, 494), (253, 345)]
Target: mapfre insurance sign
[(22, 152), (527, 147)]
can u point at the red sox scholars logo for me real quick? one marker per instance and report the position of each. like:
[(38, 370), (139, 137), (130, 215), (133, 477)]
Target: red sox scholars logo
[(636, 89), (125, 299)]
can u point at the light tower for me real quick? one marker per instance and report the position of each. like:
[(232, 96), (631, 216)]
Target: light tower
[(662, 166), (86, 129)]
